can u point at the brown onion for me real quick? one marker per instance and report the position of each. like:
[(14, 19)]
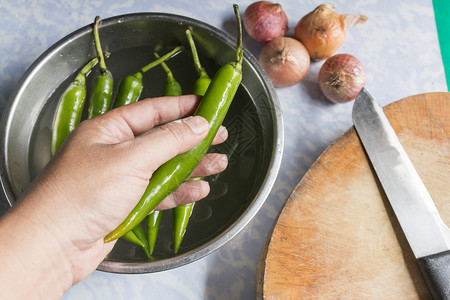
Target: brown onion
[(264, 21), (323, 30), (341, 78), (285, 60)]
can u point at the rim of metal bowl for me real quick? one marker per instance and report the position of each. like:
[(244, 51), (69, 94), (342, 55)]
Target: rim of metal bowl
[(238, 225)]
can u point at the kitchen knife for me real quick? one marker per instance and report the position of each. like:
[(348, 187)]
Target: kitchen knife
[(427, 234)]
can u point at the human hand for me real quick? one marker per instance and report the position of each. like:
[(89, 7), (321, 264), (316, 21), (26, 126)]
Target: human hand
[(102, 170)]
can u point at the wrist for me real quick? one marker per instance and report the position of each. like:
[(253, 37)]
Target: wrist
[(36, 249)]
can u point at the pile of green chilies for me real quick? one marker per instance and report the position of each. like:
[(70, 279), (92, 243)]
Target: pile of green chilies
[(217, 93)]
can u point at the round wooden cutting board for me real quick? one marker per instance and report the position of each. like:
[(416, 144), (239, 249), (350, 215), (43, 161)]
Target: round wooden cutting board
[(337, 236)]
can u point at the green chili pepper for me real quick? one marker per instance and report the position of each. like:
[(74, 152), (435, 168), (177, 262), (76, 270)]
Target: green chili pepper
[(139, 233), (130, 88), (153, 221), (181, 216), (213, 107), (182, 213), (100, 101), (70, 107), (129, 92), (203, 81), (131, 237), (172, 87)]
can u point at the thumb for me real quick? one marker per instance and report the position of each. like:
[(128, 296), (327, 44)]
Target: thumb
[(162, 143)]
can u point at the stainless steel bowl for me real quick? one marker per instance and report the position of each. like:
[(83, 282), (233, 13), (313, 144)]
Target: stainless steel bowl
[(254, 122)]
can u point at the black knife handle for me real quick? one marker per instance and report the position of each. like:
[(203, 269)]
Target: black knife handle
[(435, 270)]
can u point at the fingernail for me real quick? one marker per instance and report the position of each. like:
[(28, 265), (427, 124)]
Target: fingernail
[(223, 161), (197, 124)]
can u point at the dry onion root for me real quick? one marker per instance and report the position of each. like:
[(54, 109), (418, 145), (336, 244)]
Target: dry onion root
[(323, 30), (341, 78), (285, 60)]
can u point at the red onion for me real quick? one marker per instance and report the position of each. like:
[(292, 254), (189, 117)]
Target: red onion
[(285, 60), (264, 21), (341, 78)]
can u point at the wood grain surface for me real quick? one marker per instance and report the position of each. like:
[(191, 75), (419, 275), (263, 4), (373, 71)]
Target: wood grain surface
[(337, 236)]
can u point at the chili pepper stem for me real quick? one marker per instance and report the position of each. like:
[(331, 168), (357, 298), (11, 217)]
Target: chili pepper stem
[(203, 80), (239, 51), (130, 88), (81, 76), (198, 66), (98, 46), (173, 87), (161, 59), (100, 100), (169, 73)]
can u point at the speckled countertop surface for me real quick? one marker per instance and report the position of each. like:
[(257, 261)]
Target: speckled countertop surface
[(398, 46)]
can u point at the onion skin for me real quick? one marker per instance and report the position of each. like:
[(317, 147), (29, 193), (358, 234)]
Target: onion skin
[(341, 78), (285, 60), (323, 31), (265, 21)]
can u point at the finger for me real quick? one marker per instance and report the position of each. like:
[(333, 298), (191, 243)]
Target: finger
[(212, 163), (128, 121), (106, 248), (147, 113), (162, 143), (186, 193), (221, 136)]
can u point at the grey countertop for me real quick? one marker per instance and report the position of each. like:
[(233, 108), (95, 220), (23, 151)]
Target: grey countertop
[(398, 46)]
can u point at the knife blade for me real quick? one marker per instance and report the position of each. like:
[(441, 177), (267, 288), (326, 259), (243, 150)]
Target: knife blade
[(426, 233)]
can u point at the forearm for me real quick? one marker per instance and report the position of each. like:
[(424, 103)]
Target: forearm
[(33, 259)]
